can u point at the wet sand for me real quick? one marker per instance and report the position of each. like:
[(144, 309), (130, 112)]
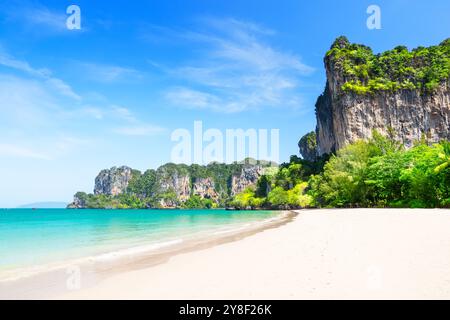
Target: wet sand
[(58, 279)]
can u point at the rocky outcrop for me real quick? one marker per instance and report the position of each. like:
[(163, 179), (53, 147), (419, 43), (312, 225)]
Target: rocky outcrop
[(113, 181), (205, 189), (173, 185), (344, 117), (308, 146), (170, 186), (248, 176), (79, 201)]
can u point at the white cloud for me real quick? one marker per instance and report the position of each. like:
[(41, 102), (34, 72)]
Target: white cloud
[(45, 74), (10, 150), (36, 17), (34, 123), (42, 16), (109, 112), (239, 28), (123, 113), (92, 112), (68, 143), (121, 119), (8, 61), (25, 103), (108, 73), (140, 130), (134, 126), (192, 98), (237, 70), (63, 88), (33, 116)]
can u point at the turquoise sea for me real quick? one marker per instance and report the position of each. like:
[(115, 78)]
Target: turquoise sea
[(37, 237)]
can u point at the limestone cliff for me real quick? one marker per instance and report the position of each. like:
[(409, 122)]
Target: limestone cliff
[(205, 189), (170, 178), (79, 201), (170, 186), (403, 92), (113, 181), (248, 176), (308, 146)]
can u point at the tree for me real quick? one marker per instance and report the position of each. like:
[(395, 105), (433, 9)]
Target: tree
[(278, 197)]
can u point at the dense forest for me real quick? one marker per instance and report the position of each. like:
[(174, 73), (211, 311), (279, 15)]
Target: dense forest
[(379, 172)]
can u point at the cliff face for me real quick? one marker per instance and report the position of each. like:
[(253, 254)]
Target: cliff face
[(308, 146), (248, 176), (174, 180), (205, 189), (344, 116), (113, 181), (78, 202), (170, 186)]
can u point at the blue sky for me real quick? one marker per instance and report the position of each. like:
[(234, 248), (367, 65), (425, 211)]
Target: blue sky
[(74, 102)]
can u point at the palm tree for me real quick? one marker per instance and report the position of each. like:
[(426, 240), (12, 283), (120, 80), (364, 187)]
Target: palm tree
[(444, 158)]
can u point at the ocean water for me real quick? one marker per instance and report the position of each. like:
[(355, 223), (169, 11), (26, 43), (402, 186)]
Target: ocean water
[(36, 237)]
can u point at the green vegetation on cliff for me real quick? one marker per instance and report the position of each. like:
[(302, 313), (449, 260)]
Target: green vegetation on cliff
[(308, 146), (143, 185), (281, 188), (421, 69), (170, 186)]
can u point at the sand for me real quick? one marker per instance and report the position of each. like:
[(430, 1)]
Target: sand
[(321, 254)]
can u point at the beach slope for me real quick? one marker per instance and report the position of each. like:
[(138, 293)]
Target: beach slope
[(322, 254)]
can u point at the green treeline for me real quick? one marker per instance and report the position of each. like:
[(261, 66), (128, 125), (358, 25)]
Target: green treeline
[(365, 72), (379, 172), (133, 201)]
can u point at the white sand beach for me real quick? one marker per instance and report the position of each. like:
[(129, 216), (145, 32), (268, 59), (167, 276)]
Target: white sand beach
[(322, 254)]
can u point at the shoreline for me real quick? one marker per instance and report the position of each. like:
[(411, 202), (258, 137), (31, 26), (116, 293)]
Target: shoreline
[(27, 283), (309, 254), (321, 254)]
